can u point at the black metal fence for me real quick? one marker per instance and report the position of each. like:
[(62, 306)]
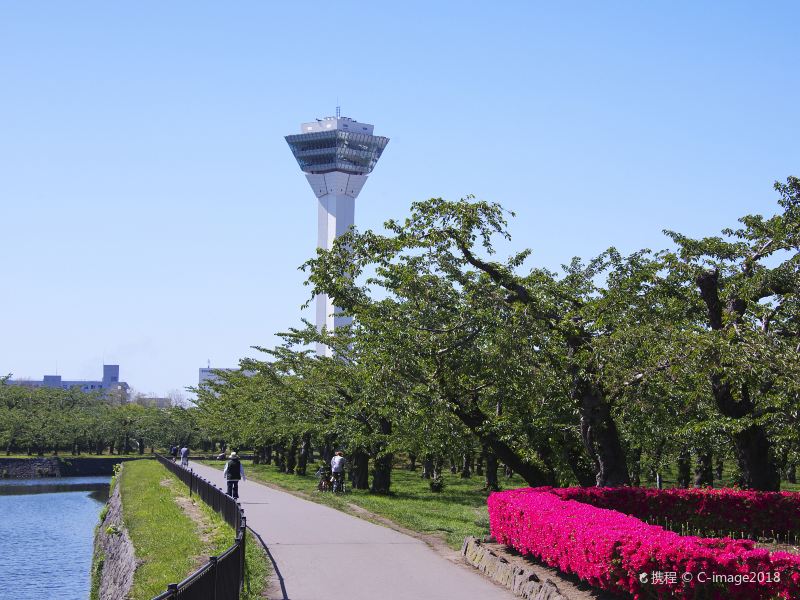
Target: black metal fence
[(222, 576)]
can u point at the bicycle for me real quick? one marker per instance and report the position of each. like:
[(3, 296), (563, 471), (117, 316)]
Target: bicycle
[(325, 480), (338, 480)]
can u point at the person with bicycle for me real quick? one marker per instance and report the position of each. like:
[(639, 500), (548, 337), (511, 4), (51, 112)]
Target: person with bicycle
[(323, 477), (337, 470)]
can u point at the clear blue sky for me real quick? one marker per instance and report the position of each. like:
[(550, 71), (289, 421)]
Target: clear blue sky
[(153, 216)]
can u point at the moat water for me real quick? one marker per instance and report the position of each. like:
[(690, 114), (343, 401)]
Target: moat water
[(46, 536)]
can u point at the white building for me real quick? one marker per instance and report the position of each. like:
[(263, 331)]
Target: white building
[(210, 375), (336, 154)]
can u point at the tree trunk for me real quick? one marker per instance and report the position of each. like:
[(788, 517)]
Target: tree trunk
[(382, 470), (599, 433), (291, 457), (427, 467), (752, 446), (453, 465), (704, 470), (791, 473), (492, 484), (412, 461), (141, 446), (268, 454), (479, 464), (758, 470), (601, 438), (720, 469), (280, 459), (466, 465), (382, 474), (684, 468), (475, 420), (302, 460), (327, 450), (359, 471), (574, 454)]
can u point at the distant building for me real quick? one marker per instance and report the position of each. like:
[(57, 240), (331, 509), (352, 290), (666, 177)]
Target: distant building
[(108, 386), (210, 375)]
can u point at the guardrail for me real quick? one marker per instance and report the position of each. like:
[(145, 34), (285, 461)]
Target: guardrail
[(222, 576), (196, 456)]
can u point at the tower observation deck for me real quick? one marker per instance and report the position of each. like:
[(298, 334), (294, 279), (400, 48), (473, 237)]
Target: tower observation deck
[(336, 154)]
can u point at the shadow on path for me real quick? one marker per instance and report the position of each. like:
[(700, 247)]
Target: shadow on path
[(272, 560)]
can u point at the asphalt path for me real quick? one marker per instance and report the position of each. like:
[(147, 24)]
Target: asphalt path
[(324, 554)]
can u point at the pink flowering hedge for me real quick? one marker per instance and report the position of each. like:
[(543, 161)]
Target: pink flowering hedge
[(610, 550), (721, 510)]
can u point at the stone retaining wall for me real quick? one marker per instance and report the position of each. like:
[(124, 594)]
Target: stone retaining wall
[(57, 466), (114, 559), (521, 581)]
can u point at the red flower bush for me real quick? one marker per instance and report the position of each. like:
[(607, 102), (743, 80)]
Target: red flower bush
[(613, 551), (706, 509)]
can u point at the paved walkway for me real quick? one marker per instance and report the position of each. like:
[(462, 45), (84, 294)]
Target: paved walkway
[(325, 554)]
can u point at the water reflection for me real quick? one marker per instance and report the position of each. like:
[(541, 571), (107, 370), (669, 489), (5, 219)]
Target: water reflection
[(52, 485), (46, 534), (16, 487)]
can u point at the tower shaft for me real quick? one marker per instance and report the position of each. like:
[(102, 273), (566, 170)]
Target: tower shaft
[(336, 202)]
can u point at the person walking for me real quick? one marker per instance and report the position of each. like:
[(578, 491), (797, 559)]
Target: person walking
[(185, 457), (337, 469), (233, 472), (173, 452)]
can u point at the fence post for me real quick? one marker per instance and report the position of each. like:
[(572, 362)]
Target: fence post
[(242, 548), (191, 481), (213, 561), (172, 588)]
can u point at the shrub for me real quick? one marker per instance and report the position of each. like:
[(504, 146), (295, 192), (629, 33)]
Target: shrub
[(712, 511), (436, 483), (610, 550)]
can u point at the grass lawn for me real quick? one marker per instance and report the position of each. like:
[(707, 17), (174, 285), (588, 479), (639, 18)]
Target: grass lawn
[(458, 511), (170, 543)]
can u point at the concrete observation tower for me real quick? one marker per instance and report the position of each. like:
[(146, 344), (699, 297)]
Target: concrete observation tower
[(336, 154)]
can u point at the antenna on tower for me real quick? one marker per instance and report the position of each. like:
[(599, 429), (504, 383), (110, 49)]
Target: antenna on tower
[(338, 109), (209, 363)]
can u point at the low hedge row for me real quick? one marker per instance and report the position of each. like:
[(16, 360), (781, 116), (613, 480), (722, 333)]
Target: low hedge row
[(719, 510), (620, 553)]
